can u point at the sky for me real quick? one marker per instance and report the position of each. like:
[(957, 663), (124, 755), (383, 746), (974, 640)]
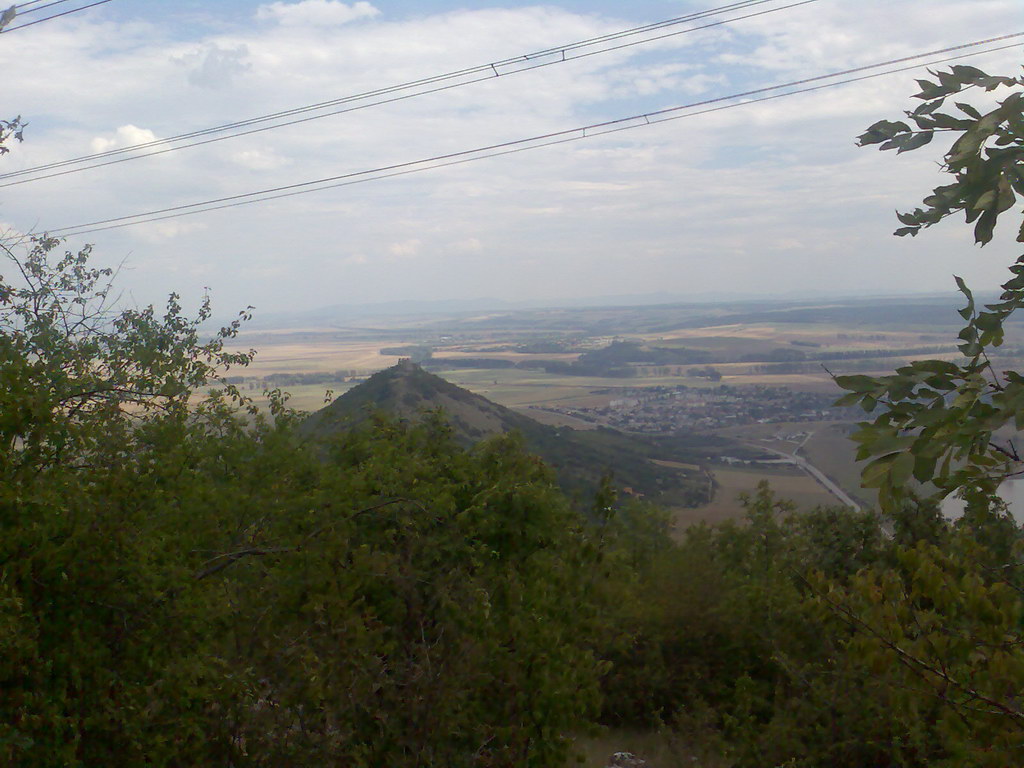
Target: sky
[(769, 199)]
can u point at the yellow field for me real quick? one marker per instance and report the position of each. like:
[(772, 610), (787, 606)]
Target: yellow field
[(314, 356), (320, 350)]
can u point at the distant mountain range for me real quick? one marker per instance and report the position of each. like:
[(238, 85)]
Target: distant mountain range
[(343, 314), (579, 457)]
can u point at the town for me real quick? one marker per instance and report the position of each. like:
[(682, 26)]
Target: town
[(668, 409)]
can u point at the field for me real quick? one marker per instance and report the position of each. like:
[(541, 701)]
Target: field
[(314, 350), (831, 451), (767, 344), (791, 484), (825, 444)]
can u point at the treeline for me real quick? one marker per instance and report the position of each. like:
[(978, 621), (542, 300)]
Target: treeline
[(188, 582), (622, 359), (298, 379), (617, 360), (416, 353), (785, 355), (830, 638), (436, 363)]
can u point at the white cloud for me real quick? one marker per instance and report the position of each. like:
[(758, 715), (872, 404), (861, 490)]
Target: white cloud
[(469, 245), (124, 136), (259, 159), (406, 249), (700, 199), (215, 66), (315, 12), (162, 231)]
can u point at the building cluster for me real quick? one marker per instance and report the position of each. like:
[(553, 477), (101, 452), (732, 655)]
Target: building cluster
[(669, 409)]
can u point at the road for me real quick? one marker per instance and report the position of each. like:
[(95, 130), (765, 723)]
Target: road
[(814, 472)]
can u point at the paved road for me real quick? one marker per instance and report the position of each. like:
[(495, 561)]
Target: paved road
[(814, 472)]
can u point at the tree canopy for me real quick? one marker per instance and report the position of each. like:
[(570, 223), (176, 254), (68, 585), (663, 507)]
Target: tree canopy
[(186, 581)]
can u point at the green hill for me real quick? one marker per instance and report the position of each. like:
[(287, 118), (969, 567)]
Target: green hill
[(579, 457)]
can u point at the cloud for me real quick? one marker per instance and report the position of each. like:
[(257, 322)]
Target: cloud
[(259, 159), (742, 199), (162, 231), (406, 249), (469, 245), (215, 66), (125, 136), (315, 13)]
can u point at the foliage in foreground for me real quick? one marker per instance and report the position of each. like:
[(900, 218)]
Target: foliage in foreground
[(185, 583), (828, 638), (911, 652)]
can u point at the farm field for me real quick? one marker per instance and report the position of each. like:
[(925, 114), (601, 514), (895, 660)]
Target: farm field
[(822, 443), (788, 483), (831, 451), (554, 419), (314, 353), (773, 345)]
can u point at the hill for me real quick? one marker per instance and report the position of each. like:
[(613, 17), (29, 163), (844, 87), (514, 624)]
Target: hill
[(579, 457)]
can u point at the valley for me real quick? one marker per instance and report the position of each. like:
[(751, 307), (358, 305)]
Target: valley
[(750, 381)]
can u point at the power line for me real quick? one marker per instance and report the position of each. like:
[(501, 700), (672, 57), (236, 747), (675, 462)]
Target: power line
[(19, 6), (490, 71), (54, 16), (482, 72), (22, 12), (534, 142)]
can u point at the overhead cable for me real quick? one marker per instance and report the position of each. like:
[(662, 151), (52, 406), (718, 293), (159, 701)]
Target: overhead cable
[(533, 142), (24, 9), (477, 74), (5, 30)]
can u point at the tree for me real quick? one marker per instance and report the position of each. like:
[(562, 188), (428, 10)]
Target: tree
[(11, 129), (94, 405), (941, 626), (185, 580), (936, 418), (76, 369), (835, 638)]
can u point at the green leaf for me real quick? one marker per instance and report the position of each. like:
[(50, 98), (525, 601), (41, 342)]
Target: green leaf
[(857, 383), (915, 141), (924, 467), (986, 200), (967, 109), (901, 469), (930, 90), (877, 472), (984, 228), (847, 400)]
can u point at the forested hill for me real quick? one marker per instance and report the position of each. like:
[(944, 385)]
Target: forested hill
[(579, 457), (406, 391)]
